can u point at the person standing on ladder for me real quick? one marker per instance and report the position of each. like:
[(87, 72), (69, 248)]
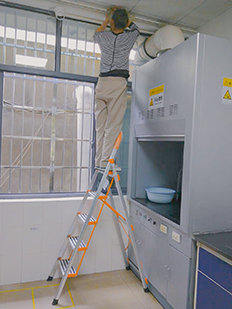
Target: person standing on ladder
[(111, 90)]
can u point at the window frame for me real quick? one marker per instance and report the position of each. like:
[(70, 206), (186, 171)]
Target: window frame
[(56, 73)]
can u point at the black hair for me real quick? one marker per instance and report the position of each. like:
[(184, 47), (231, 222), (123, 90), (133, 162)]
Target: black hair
[(120, 18)]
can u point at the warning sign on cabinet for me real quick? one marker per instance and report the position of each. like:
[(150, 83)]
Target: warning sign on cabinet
[(156, 97), (227, 91)]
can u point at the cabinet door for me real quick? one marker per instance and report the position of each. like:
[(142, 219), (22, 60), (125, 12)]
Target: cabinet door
[(137, 236), (216, 269), (178, 279), (210, 295), (157, 274)]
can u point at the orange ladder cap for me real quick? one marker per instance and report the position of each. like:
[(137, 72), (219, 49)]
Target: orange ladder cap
[(118, 141)]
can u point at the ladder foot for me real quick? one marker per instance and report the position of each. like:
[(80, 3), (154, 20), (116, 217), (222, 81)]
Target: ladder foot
[(55, 302), (128, 268), (146, 290), (49, 278)]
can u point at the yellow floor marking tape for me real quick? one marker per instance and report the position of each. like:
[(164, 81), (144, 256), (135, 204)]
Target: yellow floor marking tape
[(70, 295), (40, 287), (33, 298), (25, 289)]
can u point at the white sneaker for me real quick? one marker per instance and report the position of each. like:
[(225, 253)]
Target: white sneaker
[(118, 168)]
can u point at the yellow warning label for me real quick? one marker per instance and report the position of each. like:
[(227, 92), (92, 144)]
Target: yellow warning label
[(227, 82), (151, 103), (157, 90), (227, 95)]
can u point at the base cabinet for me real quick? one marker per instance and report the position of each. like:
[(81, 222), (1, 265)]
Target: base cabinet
[(166, 268), (214, 282)]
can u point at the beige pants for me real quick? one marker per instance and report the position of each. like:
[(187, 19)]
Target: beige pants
[(110, 106)]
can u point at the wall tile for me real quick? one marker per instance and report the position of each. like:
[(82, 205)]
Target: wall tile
[(88, 264), (48, 260), (69, 210), (32, 239), (51, 238), (12, 213), (12, 237), (36, 231), (64, 230), (1, 240), (33, 213), (115, 239), (53, 212), (31, 267), (117, 258), (11, 269), (1, 206), (106, 213), (103, 259), (104, 233), (1, 270)]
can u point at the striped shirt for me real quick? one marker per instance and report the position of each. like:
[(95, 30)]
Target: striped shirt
[(115, 50)]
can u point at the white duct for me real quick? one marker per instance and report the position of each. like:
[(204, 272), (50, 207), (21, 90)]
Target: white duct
[(163, 39)]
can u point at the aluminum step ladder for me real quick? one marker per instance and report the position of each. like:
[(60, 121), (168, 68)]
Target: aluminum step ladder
[(76, 245)]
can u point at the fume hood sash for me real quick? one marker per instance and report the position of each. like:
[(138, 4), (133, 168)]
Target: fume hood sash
[(164, 130)]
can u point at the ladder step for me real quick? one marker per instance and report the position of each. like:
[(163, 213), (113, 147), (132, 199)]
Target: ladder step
[(93, 193), (73, 242), (83, 218), (63, 267), (102, 171)]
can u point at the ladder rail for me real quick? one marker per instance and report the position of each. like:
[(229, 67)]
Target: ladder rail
[(118, 231), (67, 264), (131, 228), (62, 283)]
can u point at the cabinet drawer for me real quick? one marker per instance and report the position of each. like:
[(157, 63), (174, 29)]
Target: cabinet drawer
[(211, 296), (216, 269)]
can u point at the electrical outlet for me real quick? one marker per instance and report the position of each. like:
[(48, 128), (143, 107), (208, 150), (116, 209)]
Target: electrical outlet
[(176, 237), (163, 228)]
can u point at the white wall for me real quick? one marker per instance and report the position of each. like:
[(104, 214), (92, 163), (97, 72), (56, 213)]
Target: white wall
[(32, 232), (220, 26)]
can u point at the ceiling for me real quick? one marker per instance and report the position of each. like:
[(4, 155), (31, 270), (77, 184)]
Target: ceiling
[(150, 15), (189, 14)]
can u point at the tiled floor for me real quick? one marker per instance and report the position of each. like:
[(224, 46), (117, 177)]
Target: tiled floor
[(109, 290)]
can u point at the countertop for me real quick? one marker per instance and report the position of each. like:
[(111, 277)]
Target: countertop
[(220, 242), (170, 211)]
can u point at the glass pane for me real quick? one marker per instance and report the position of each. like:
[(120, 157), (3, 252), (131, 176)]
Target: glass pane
[(77, 48), (27, 39), (45, 137)]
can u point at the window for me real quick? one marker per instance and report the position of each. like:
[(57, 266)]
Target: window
[(27, 39), (46, 139), (47, 142), (78, 52)]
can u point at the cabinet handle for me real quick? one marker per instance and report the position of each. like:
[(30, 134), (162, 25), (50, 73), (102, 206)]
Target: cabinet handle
[(168, 273), (165, 274)]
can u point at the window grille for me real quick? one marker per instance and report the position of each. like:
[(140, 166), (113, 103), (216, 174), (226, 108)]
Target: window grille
[(46, 139), (47, 142), (27, 39)]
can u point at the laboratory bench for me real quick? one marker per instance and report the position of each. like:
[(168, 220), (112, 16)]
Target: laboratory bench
[(213, 284)]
